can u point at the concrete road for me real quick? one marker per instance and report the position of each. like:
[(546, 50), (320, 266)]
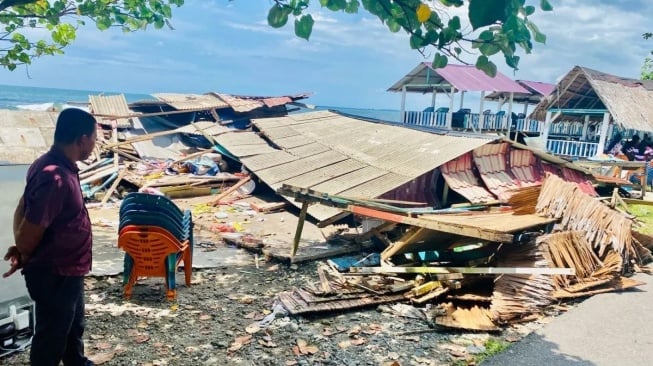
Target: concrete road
[(12, 181), (608, 329)]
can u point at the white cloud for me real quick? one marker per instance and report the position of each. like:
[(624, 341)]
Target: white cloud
[(350, 59)]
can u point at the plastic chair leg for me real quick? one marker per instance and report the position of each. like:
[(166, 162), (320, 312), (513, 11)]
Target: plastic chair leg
[(188, 266), (129, 286), (128, 265)]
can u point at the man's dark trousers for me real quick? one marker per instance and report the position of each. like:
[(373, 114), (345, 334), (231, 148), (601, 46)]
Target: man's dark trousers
[(60, 323)]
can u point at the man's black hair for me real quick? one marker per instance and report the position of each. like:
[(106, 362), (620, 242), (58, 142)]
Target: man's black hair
[(72, 124)]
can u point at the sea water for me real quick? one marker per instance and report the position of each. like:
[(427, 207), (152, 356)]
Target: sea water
[(40, 99)]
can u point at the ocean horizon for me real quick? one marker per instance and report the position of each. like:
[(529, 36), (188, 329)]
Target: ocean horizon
[(41, 99)]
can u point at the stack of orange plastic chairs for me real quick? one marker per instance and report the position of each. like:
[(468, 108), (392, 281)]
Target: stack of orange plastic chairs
[(156, 237)]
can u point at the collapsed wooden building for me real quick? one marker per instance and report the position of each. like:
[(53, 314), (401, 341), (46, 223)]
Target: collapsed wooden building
[(489, 230)]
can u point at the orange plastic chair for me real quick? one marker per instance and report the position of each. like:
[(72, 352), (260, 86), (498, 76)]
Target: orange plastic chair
[(155, 253)]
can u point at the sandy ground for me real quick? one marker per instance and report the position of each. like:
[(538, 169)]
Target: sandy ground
[(218, 320)]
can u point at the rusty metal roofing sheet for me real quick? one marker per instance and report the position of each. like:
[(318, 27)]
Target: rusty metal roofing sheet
[(191, 101), (538, 87), (462, 77), (239, 104), (111, 105), (25, 135)]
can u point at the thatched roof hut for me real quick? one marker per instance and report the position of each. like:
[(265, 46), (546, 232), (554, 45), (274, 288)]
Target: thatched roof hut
[(628, 101)]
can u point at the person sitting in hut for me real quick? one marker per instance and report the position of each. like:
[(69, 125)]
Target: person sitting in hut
[(631, 148), (591, 135), (615, 145)]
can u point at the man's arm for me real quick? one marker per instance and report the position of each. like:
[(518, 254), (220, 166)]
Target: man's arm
[(18, 215), (28, 236)]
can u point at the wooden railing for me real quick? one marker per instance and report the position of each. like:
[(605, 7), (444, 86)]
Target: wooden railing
[(580, 149), (530, 125), (426, 119), (471, 121)]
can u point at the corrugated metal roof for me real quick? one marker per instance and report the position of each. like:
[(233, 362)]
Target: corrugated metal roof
[(347, 156), (239, 104), (25, 135), (191, 101), (541, 88), (536, 92), (111, 105), (423, 78)]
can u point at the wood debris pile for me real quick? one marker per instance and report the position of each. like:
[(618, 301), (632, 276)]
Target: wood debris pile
[(483, 269), (115, 168)]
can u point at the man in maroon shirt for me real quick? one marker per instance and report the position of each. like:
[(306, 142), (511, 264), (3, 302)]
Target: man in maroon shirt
[(53, 238)]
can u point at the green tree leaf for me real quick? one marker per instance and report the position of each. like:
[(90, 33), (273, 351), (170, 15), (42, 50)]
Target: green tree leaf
[(304, 26), (545, 5), (537, 35), (486, 12), (439, 61), (278, 16)]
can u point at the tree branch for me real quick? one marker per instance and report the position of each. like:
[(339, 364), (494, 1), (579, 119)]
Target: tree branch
[(4, 4)]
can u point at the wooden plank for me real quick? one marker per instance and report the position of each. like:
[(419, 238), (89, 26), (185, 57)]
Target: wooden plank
[(631, 201), (466, 270), (267, 206), (113, 187), (504, 222), (464, 229), (229, 191), (300, 227), (412, 235)]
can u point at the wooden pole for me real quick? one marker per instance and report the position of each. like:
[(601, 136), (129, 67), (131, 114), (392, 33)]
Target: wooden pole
[(300, 227), (113, 187), (403, 104), (604, 134)]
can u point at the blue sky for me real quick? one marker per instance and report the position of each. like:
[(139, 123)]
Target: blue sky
[(350, 60)]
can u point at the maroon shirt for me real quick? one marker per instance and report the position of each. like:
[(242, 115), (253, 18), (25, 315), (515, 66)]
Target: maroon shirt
[(53, 199)]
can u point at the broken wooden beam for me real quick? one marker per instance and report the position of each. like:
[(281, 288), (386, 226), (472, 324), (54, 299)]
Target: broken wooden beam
[(459, 229), (114, 186), (229, 191), (267, 206)]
